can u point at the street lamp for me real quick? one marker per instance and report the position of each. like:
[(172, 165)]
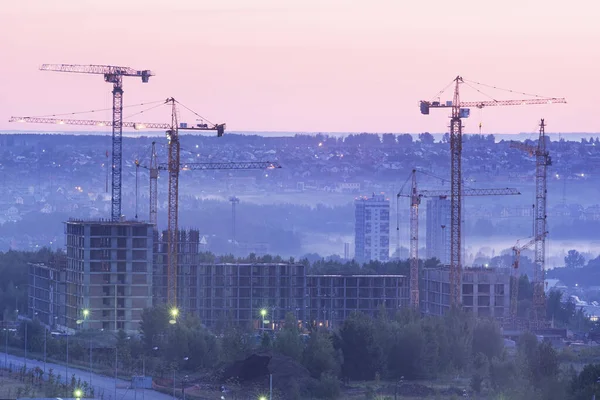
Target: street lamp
[(25, 358), (86, 313), (399, 383), (263, 314), (174, 312), (5, 347), (78, 393), (174, 369)]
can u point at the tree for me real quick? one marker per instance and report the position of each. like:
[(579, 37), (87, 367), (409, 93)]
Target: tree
[(426, 138), (487, 339), (574, 259), (154, 323), (405, 140), (404, 357), (363, 357), (388, 139), (288, 341), (585, 385), (539, 359), (320, 356)]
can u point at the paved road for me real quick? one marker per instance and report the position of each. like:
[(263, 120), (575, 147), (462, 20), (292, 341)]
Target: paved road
[(101, 383)]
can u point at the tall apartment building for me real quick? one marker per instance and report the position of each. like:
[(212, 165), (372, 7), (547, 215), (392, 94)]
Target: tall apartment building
[(372, 229), (332, 298), (108, 272), (47, 291), (437, 233), (485, 291), (238, 292)]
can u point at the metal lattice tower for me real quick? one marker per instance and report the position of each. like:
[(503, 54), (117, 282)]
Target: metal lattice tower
[(114, 75), (542, 161), (455, 198), (415, 200), (154, 187)]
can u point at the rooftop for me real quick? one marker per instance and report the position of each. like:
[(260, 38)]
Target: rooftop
[(102, 221)]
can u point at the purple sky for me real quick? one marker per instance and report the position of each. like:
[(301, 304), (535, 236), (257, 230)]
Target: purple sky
[(310, 65)]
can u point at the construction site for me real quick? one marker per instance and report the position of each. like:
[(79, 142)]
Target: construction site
[(117, 267)]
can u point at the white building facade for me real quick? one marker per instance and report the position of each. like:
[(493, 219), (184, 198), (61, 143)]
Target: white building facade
[(372, 229)]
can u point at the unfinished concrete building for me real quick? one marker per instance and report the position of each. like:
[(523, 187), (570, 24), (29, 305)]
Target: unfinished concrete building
[(188, 254), (237, 293), (332, 298), (108, 273), (485, 291), (47, 291)]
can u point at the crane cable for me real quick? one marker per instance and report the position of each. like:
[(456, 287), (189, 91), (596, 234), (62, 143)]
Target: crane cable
[(194, 112), (97, 110), (508, 90)]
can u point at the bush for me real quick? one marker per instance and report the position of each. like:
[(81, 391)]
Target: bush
[(328, 387)]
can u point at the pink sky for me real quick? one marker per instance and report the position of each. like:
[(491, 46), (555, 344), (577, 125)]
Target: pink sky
[(310, 65)]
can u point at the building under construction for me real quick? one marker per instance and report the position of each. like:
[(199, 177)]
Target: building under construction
[(485, 291), (332, 298), (188, 255), (47, 290), (108, 276), (247, 294)]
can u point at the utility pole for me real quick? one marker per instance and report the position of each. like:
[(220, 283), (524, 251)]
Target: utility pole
[(234, 201)]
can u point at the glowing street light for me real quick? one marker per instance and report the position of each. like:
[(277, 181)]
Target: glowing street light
[(85, 312), (174, 312), (78, 393), (263, 314)]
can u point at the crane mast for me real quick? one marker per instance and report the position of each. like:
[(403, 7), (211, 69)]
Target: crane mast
[(173, 208), (514, 289), (542, 162), (153, 187), (112, 74), (415, 201), (455, 198), (542, 158), (456, 170)]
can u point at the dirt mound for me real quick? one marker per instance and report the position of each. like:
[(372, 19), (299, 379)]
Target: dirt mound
[(254, 370)]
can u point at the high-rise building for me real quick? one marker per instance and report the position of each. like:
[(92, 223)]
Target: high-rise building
[(437, 233), (372, 229), (108, 274)]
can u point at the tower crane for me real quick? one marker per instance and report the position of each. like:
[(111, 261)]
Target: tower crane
[(542, 162), (460, 110), (172, 166), (415, 199), (114, 75), (514, 289)]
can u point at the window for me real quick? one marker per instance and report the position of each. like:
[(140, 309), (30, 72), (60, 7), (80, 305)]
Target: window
[(140, 254), (499, 289), (140, 267), (483, 288), (100, 230), (139, 242), (467, 289), (140, 231)]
